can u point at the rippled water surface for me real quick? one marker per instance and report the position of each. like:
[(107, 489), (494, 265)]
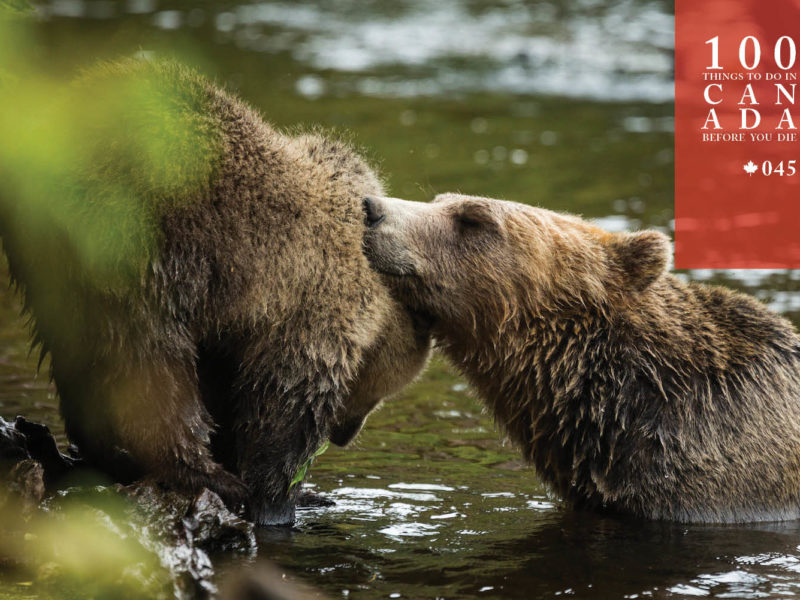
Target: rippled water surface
[(561, 104)]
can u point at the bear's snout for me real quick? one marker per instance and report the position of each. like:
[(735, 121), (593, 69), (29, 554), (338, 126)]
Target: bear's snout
[(344, 433), (373, 211)]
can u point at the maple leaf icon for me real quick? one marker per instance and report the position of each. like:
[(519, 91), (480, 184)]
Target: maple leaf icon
[(751, 168)]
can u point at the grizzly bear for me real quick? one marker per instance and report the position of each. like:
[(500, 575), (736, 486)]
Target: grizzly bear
[(198, 280), (628, 389)]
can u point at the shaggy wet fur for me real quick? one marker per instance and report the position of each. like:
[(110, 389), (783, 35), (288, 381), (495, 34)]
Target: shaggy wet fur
[(628, 389), (237, 311)]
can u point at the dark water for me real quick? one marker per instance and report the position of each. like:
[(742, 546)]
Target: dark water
[(562, 104)]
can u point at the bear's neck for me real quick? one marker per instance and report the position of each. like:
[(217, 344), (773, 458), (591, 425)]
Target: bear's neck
[(548, 380), (530, 362)]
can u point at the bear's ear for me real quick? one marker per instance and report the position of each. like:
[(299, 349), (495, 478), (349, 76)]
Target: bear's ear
[(641, 257), (473, 215)]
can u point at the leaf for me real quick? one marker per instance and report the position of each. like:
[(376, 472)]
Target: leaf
[(321, 450), (750, 167), (303, 469), (16, 6)]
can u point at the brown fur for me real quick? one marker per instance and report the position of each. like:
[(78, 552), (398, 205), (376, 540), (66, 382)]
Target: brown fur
[(239, 314), (628, 389)]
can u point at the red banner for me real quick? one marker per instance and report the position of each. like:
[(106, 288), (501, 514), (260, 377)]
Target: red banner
[(737, 142)]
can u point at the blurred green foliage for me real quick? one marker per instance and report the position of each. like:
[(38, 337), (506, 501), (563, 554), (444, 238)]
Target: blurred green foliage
[(16, 6), (90, 166), (77, 547)]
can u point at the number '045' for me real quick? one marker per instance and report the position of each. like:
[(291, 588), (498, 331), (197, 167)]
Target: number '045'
[(785, 53), (768, 169)]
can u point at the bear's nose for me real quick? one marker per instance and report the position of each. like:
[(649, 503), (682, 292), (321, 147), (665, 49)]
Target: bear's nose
[(373, 211)]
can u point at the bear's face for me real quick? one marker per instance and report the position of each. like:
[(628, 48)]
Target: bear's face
[(463, 260)]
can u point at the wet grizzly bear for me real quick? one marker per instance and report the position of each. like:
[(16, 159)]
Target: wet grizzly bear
[(628, 389), (198, 280)]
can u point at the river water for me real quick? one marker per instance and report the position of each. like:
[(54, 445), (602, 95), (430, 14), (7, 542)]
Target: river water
[(562, 104)]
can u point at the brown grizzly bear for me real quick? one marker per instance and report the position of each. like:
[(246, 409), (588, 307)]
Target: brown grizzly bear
[(198, 280), (628, 389)]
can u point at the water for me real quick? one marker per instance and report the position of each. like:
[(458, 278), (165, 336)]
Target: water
[(426, 47), (561, 104)]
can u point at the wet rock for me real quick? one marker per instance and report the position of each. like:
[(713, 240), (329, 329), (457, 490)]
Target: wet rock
[(215, 529), (312, 500), (42, 446), (12, 445), (26, 483), (21, 476), (172, 535), (182, 531), (203, 520), (165, 539)]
